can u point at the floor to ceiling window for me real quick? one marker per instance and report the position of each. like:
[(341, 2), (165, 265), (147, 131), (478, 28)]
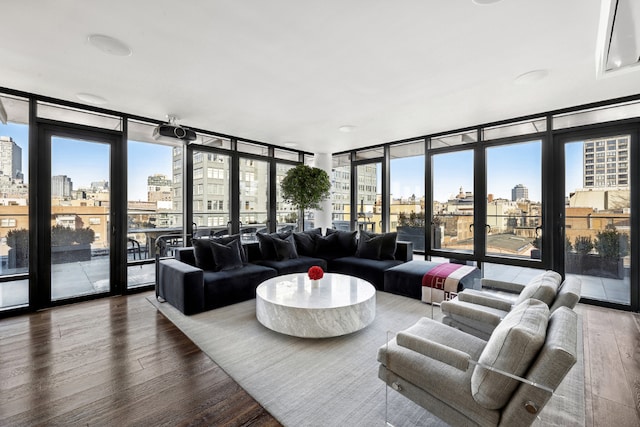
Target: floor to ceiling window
[(286, 214), (211, 193), (514, 200), (80, 217), (151, 211), (341, 192), (452, 199), (14, 209), (408, 198), (597, 215)]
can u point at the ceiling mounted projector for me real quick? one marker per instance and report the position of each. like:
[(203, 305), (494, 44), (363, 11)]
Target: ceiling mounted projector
[(173, 130)]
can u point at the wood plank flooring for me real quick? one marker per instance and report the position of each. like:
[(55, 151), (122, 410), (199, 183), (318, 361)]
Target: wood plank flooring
[(119, 362), (113, 361)]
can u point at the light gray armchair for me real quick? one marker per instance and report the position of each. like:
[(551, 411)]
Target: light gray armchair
[(479, 312), (461, 378)]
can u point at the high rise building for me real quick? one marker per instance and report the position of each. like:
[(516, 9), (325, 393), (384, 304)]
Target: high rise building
[(61, 186), (519, 192), (606, 163), (10, 158), (159, 188)]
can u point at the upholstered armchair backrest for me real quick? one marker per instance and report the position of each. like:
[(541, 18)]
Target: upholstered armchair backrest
[(568, 294), (554, 361), (543, 288)]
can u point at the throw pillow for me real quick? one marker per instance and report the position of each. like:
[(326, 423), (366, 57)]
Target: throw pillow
[(285, 249), (203, 255), (267, 248), (512, 347), (388, 247), (347, 241), (327, 246), (369, 247), (227, 239), (227, 257), (305, 244)]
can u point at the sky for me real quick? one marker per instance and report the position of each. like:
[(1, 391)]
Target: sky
[(85, 162), (507, 166)]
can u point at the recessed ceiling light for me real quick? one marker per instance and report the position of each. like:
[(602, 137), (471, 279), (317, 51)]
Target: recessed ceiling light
[(290, 144), (346, 128), (91, 98), (110, 45), (531, 77), (485, 2)]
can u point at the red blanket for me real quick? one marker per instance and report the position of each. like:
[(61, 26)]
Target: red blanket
[(441, 282)]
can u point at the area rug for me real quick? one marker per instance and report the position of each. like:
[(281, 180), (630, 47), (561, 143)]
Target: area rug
[(332, 381)]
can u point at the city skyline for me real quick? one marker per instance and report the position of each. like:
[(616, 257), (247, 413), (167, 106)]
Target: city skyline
[(516, 164)]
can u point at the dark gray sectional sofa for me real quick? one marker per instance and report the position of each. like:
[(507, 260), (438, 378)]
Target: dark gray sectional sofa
[(194, 281)]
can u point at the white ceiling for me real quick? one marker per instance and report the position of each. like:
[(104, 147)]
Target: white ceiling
[(283, 71)]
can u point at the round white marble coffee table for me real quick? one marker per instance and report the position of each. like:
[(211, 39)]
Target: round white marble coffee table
[(339, 305)]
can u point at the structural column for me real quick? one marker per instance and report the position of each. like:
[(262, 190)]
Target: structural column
[(323, 216)]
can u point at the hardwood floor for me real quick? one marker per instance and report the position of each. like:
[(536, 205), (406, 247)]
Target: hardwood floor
[(612, 366), (117, 361), (113, 361)]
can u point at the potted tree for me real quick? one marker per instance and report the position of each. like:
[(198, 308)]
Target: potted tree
[(18, 241), (576, 259), (611, 247), (411, 229), (305, 187), (70, 245)]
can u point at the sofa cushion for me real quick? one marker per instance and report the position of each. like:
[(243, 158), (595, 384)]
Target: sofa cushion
[(203, 254), (227, 287), (328, 247), (347, 241), (294, 265), (285, 248), (512, 347), (226, 257), (305, 242), (267, 247), (368, 269), (387, 246), (369, 247), (227, 239)]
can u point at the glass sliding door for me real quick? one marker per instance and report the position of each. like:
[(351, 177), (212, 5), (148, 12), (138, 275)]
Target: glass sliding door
[(452, 198), (14, 205), (597, 216), (514, 202), (254, 197), (80, 212)]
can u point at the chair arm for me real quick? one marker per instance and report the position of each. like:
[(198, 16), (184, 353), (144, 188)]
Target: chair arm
[(452, 357), (510, 375), (182, 285), (468, 295), (475, 313), (515, 288)]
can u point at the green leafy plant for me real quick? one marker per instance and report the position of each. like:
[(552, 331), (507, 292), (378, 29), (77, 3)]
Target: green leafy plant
[(568, 247), (18, 238), (583, 244), (305, 187), (411, 220), (66, 236), (611, 244)]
